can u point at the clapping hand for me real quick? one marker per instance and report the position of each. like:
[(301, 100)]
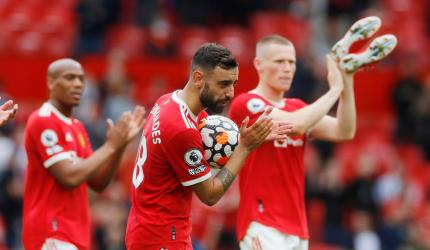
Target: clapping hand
[(7, 111)]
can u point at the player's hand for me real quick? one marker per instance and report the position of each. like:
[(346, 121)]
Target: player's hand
[(252, 137), (137, 122), (280, 130), (334, 74), (7, 111), (117, 134)]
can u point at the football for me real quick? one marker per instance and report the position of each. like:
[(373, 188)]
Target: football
[(220, 136)]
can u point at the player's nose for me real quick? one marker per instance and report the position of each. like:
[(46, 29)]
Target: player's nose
[(230, 92)]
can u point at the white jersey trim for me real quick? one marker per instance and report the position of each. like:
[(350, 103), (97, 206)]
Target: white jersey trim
[(58, 157), (197, 180), (184, 116), (46, 110), (181, 102)]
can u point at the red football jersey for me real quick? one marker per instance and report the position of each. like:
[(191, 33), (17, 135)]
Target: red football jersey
[(50, 210), (169, 160), (273, 177)]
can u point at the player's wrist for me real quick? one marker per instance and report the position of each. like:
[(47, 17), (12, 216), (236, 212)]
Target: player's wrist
[(243, 149), (336, 89), (111, 147)]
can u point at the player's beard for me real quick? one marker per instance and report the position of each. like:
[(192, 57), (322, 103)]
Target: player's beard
[(208, 100)]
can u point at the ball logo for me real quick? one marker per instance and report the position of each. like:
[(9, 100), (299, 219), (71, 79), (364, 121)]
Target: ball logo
[(255, 105), (193, 157), (49, 138)]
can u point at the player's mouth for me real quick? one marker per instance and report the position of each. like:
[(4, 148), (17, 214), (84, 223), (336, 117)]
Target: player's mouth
[(76, 95), (285, 78), (224, 102)]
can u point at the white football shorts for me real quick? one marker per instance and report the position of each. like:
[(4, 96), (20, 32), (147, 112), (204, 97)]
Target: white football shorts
[(261, 237)]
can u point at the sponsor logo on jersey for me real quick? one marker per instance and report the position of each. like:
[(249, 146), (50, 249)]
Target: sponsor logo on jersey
[(69, 137), (193, 157), (49, 138), (197, 170), (255, 105)]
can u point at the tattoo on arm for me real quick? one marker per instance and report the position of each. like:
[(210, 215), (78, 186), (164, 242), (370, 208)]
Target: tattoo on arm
[(226, 177)]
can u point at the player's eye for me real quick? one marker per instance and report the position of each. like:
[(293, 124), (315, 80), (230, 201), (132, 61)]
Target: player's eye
[(69, 77)]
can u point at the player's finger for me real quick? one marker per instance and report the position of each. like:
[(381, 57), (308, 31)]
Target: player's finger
[(14, 110), (330, 61), (109, 123), (244, 124), (285, 128), (267, 110), (256, 245), (259, 126), (125, 118), (138, 111), (139, 116), (266, 129), (7, 105)]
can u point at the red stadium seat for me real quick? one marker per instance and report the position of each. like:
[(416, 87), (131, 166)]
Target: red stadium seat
[(128, 37), (19, 19), (237, 40), (294, 28), (5, 41), (191, 38), (28, 43)]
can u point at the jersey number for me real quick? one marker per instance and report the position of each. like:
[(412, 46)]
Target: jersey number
[(288, 141), (140, 160)]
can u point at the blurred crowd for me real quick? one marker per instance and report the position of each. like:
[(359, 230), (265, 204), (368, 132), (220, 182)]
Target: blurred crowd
[(371, 193)]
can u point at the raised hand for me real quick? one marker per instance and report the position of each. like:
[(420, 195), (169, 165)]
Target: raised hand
[(117, 134), (280, 130), (7, 111), (334, 74), (137, 122), (253, 136)]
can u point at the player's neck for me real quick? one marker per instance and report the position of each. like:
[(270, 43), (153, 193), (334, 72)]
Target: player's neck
[(268, 93), (65, 110), (192, 100)]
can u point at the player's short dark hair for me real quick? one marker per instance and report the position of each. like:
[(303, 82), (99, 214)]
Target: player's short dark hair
[(211, 55)]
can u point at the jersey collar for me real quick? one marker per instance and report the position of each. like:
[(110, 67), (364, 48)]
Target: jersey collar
[(57, 113), (178, 100)]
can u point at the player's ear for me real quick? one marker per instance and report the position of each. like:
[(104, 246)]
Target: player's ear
[(257, 63), (198, 78), (50, 82)]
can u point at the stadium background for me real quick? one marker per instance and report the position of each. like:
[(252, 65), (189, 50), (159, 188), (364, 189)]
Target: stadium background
[(135, 50)]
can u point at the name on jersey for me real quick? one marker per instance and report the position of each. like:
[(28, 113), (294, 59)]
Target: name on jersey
[(156, 133), (197, 170)]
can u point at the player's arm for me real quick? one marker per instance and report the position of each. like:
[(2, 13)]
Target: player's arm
[(7, 111), (343, 126), (99, 181), (212, 189), (71, 174), (305, 118)]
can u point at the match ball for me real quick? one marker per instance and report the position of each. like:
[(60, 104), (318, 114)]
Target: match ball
[(220, 137)]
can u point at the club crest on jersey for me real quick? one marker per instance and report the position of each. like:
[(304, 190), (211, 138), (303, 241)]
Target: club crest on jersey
[(49, 138), (255, 105), (193, 157), (81, 140)]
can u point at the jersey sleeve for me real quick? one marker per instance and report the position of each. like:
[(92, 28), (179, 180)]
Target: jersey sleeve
[(49, 142), (186, 156), (246, 105)]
